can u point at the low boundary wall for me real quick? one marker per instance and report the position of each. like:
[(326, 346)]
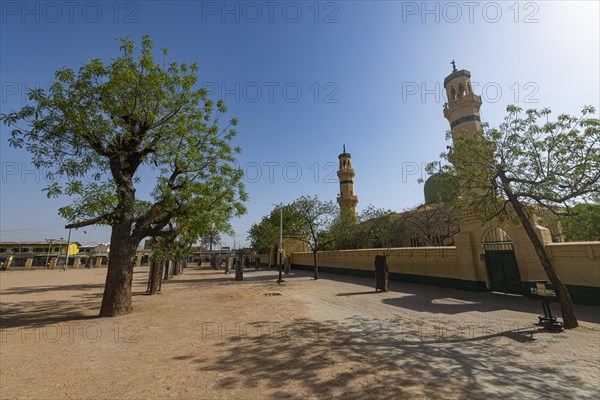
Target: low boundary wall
[(577, 264)]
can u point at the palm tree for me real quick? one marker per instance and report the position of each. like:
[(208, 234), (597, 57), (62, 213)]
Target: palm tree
[(212, 237)]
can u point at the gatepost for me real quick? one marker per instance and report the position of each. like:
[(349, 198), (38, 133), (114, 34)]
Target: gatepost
[(381, 273)]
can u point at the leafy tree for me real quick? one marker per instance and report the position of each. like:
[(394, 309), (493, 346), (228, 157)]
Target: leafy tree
[(380, 226), (161, 248), (583, 224), (371, 229), (531, 160), (97, 130), (175, 241), (315, 222), (429, 224), (264, 236)]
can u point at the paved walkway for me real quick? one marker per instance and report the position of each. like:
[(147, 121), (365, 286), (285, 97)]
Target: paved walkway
[(483, 344), (207, 336)]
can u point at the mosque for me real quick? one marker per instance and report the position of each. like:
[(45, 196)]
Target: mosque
[(459, 250), (433, 223)]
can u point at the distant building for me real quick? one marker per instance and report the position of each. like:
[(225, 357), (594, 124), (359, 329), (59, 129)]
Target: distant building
[(16, 254), (94, 255)]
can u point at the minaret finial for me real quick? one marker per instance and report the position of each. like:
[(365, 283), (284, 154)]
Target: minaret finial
[(453, 65), (344, 148)]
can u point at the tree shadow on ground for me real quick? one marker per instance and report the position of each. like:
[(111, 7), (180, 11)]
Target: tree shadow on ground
[(223, 279), (356, 293), (33, 313), (362, 358), (51, 288), (437, 300)]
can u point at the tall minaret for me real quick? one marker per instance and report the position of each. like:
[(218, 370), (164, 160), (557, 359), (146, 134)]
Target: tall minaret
[(462, 109), (346, 199), (462, 112)]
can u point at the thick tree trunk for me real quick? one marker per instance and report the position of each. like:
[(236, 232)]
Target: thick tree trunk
[(117, 291), (167, 275), (316, 265), (154, 278), (160, 273), (149, 278), (566, 304), (176, 267)]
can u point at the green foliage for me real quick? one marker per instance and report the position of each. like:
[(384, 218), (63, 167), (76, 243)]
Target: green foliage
[(95, 129), (314, 220), (530, 163), (431, 225), (98, 130), (371, 213), (551, 164), (583, 224), (374, 229), (264, 235)]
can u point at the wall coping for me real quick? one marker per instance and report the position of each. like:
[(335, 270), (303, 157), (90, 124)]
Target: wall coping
[(566, 244), (384, 249)]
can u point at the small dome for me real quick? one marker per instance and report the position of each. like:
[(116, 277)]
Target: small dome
[(440, 187)]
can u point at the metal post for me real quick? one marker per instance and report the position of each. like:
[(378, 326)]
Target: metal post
[(280, 242), (67, 253), (48, 255)]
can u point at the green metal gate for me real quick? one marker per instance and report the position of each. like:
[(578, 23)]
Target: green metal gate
[(502, 268)]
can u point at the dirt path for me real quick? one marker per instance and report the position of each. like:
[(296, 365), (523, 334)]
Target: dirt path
[(208, 336)]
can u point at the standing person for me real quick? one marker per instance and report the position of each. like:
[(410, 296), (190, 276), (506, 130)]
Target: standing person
[(287, 265)]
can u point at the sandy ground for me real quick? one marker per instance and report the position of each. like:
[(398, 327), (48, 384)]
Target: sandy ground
[(207, 337)]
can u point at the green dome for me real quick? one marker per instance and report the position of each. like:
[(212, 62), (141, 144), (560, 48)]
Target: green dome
[(440, 187)]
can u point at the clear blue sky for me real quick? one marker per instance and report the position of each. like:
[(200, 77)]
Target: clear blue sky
[(306, 77)]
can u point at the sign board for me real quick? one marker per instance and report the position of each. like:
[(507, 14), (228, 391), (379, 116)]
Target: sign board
[(542, 289)]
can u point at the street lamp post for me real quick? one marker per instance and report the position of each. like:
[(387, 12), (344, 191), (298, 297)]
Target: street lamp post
[(48, 254), (67, 253), (280, 205), (280, 242), (49, 249)]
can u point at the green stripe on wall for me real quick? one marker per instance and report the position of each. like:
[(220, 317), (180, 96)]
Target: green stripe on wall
[(475, 286), (587, 295), (347, 181)]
